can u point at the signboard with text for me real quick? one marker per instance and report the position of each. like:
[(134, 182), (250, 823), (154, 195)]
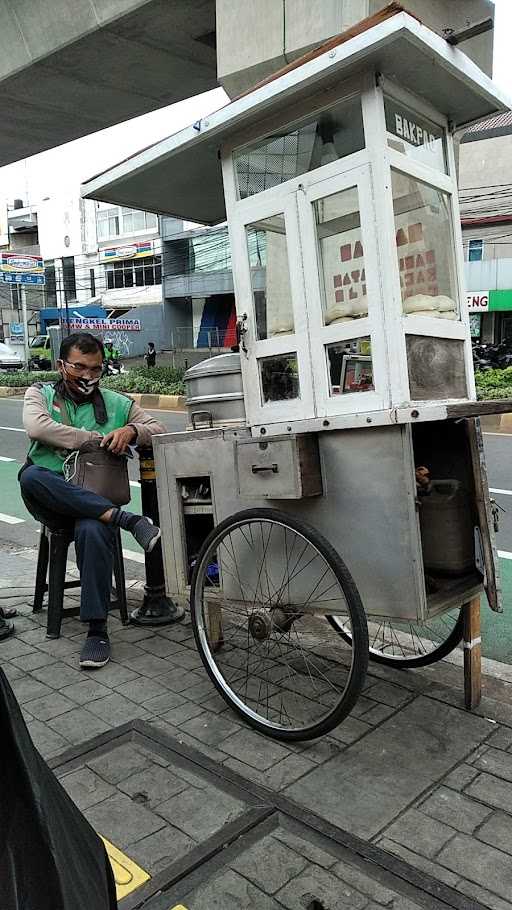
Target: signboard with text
[(136, 250), (16, 268), (478, 301), (105, 325), (499, 301)]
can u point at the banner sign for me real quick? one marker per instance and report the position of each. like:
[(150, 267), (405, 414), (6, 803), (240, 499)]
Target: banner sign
[(489, 301), (105, 325), (478, 301), (15, 268), (128, 251)]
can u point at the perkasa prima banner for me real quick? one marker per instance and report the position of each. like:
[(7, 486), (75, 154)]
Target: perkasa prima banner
[(489, 301)]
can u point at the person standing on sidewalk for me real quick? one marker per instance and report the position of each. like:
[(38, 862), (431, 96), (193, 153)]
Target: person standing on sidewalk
[(91, 413), (151, 355)]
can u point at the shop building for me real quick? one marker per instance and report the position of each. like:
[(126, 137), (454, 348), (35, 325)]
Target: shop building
[(486, 216)]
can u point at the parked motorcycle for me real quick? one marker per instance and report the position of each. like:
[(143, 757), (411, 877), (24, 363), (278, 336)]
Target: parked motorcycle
[(113, 368)]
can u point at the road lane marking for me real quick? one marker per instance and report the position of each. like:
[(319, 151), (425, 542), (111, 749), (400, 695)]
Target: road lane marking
[(134, 483), (3, 458), (504, 492), (504, 554), (11, 520), (22, 430), (138, 557), (496, 434)]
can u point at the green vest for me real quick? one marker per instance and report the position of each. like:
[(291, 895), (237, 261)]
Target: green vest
[(81, 417)]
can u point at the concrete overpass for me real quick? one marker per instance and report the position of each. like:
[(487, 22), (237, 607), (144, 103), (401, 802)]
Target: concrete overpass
[(71, 67)]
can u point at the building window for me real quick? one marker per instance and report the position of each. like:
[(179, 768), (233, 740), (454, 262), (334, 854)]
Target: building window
[(118, 222), (50, 288), (68, 277), (129, 273), (107, 221), (476, 250)]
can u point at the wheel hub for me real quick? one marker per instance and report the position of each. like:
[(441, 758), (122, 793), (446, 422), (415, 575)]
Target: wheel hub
[(260, 625)]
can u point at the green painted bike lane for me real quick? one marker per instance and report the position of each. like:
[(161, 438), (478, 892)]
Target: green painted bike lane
[(11, 503)]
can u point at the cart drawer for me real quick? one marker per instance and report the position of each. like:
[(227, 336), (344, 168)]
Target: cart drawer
[(284, 467)]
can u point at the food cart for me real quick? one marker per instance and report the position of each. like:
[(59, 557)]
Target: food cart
[(343, 511)]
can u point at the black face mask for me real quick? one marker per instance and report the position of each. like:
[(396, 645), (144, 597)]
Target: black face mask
[(87, 386)]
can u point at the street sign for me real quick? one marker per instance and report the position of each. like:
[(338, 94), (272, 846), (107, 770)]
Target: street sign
[(15, 268), (21, 278), (16, 329)]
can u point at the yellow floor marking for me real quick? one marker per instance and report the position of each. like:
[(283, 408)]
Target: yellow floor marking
[(178, 907), (128, 875)]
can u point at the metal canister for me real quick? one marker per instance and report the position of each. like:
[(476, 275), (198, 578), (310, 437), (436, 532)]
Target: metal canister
[(214, 393)]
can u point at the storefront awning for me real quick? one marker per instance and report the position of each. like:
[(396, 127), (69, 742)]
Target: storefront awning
[(181, 175)]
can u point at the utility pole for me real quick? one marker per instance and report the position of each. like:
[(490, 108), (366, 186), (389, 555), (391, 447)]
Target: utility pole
[(23, 294)]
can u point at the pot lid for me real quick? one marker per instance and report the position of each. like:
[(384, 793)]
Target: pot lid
[(215, 366)]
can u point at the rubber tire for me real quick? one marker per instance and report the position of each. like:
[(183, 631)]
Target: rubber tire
[(410, 663), (355, 608)]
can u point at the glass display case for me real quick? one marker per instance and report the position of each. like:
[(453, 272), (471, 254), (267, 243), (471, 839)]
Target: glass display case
[(351, 215)]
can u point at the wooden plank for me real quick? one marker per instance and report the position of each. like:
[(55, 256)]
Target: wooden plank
[(492, 581), (479, 408), (472, 654)]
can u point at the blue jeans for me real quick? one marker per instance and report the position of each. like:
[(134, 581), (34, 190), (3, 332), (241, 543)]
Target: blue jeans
[(58, 504)]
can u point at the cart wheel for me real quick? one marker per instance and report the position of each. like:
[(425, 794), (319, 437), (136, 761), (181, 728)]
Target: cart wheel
[(405, 644), (261, 624)]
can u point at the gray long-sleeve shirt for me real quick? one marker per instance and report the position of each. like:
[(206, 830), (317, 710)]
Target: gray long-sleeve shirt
[(40, 426)]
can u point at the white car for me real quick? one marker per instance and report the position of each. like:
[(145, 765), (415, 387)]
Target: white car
[(9, 358)]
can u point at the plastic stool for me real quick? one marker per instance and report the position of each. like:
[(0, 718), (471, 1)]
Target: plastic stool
[(52, 560)]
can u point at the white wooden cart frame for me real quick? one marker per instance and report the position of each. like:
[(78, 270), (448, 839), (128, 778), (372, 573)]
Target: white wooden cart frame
[(370, 171)]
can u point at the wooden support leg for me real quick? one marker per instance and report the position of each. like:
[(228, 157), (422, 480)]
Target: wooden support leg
[(472, 654)]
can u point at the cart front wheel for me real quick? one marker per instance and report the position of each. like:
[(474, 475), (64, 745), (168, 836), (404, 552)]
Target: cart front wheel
[(263, 588), (404, 644)]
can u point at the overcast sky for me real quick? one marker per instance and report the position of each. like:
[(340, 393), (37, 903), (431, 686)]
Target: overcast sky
[(55, 171)]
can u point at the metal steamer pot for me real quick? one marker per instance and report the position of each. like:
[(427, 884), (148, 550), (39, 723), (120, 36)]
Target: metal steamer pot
[(214, 393)]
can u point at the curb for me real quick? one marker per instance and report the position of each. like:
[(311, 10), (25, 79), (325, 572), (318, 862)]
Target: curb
[(497, 423), (9, 391), (159, 402), (156, 402)]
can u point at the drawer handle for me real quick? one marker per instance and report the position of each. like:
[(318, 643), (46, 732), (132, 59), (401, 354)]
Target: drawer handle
[(258, 469)]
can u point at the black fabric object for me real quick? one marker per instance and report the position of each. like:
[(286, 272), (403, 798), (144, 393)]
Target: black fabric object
[(50, 857)]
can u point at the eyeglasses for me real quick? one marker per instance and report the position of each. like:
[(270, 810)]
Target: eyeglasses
[(81, 368)]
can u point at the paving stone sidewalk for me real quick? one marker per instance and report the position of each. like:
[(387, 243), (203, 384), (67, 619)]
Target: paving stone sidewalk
[(409, 770)]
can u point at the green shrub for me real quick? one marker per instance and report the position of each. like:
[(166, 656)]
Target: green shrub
[(157, 381), (153, 381), (22, 379), (494, 384)]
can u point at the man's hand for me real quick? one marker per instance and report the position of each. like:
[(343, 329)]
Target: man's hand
[(118, 440)]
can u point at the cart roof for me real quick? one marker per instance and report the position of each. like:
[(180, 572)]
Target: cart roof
[(181, 175)]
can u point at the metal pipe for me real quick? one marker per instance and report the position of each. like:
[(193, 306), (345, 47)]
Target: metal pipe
[(157, 609)]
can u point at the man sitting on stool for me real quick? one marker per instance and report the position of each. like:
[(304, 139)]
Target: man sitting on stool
[(91, 413)]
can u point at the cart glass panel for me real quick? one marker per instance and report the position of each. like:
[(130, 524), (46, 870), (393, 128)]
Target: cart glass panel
[(341, 255), (279, 377), (350, 366), (294, 150), (270, 277), (424, 242), (416, 136)]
